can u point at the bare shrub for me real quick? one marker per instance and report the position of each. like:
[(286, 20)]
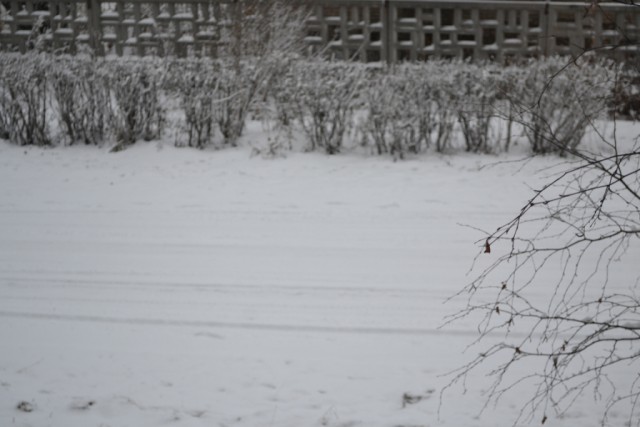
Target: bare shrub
[(137, 107), (442, 90), (380, 102), (5, 109), (195, 84), (237, 87), (82, 99), (283, 92), (218, 96), (324, 100), (404, 132), (626, 100), (399, 111), (474, 103), (556, 101), (425, 105), (414, 107), (25, 106), (260, 37), (509, 80)]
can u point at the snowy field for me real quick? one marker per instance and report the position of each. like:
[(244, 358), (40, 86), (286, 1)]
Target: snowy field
[(174, 287)]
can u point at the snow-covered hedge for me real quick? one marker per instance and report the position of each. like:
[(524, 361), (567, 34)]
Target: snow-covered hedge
[(25, 100), (217, 97), (441, 106), (81, 101), (626, 102), (401, 111), (195, 85), (136, 101), (321, 98), (48, 100), (445, 106), (555, 101)]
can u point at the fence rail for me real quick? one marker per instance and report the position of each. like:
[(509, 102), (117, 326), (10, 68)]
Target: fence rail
[(367, 30)]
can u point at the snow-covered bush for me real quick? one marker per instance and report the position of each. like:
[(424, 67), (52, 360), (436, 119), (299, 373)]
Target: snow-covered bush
[(194, 83), (441, 88), (380, 104), (399, 111), (25, 105), (257, 39), (283, 92), (474, 101), (626, 101), (556, 101), (47, 99), (137, 107), (5, 110), (237, 87), (413, 107), (323, 98), (216, 97), (427, 103), (82, 99), (404, 125), (508, 83), (440, 93), (197, 102), (431, 112)]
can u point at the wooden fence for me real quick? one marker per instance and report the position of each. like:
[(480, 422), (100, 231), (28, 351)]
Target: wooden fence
[(367, 30)]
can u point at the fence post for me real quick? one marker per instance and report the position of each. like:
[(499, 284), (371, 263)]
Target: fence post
[(95, 28)]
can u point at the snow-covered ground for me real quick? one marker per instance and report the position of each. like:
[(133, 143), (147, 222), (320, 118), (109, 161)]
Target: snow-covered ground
[(164, 286)]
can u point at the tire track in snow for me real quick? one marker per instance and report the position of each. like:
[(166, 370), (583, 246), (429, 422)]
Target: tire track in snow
[(288, 307), (212, 286), (234, 325)]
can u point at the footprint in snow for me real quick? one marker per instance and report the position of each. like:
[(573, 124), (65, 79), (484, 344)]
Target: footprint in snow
[(25, 406), (82, 405), (209, 335)]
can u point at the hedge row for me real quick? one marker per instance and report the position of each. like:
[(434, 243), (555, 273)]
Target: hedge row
[(441, 106)]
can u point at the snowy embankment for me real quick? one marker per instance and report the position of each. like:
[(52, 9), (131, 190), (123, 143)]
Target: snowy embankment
[(164, 286)]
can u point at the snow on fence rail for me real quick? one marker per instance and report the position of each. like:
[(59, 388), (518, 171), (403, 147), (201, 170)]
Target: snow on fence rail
[(367, 30)]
